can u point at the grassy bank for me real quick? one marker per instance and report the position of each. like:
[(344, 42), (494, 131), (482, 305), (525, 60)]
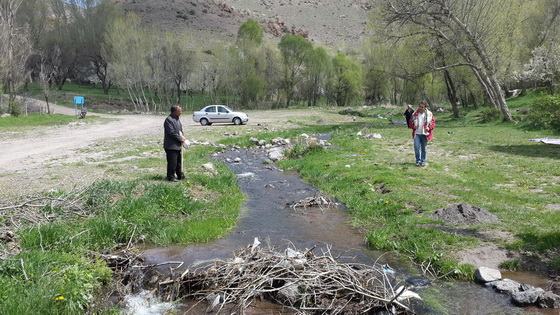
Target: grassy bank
[(59, 267), (492, 165), (25, 122)]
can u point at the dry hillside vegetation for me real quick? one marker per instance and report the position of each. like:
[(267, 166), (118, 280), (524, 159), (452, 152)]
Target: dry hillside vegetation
[(340, 24)]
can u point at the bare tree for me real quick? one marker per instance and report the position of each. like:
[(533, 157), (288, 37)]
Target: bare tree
[(472, 28), (15, 49), (179, 61), (47, 70)]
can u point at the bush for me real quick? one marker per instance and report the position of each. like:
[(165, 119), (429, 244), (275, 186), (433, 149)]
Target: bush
[(546, 113), (491, 114)]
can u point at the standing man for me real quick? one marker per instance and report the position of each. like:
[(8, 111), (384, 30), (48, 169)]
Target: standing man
[(172, 141), (423, 123)]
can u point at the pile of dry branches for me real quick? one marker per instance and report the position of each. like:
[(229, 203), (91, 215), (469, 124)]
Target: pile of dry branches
[(301, 281), (317, 200), (37, 210)]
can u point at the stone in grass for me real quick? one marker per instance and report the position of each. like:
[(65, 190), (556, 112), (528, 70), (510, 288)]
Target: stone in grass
[(485, 274)]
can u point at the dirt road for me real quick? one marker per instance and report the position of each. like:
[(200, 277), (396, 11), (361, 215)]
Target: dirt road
[(30, 149), (43, 159), (68, 156)]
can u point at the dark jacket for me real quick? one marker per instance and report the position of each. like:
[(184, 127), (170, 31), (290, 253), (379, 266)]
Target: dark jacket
[(408, 115), (172, 135)]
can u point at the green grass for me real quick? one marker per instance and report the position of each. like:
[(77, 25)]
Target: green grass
[(487, 164), (61, 274), (49, 282), (116, 99), (38, 120), (491, 165)]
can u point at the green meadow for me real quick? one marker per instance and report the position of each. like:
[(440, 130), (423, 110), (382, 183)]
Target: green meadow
[(486, 163)]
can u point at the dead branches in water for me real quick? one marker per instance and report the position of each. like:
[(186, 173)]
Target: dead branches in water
[(317, 200), (300, 281)]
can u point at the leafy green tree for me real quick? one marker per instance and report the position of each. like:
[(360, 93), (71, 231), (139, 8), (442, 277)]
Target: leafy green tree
[(317, 65), (345, 83), (128, 44), (250, 33), (295, 51), (252, 89)]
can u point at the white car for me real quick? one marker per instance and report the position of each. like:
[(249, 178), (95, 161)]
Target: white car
[(219, 114)]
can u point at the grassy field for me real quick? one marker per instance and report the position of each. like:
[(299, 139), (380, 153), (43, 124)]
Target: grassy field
[(488, 164)]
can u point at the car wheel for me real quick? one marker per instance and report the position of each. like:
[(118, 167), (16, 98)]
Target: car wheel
[(204, 122), (237, 121)]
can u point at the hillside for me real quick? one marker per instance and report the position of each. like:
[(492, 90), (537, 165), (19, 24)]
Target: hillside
[(337, 24)]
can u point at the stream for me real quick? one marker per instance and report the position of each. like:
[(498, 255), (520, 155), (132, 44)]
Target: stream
[(268, 216)]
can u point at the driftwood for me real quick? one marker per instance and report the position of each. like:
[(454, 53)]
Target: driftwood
[(301, 281)]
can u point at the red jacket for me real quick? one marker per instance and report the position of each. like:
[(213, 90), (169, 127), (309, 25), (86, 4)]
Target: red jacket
[(430, 123)]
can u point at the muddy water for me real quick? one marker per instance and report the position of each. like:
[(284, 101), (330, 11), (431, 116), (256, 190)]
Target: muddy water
[(267, 217)]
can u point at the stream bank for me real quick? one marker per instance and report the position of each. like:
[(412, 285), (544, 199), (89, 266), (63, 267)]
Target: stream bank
[(268, 216)]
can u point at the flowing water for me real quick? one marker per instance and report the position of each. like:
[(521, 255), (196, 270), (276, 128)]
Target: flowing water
[(268, 217)]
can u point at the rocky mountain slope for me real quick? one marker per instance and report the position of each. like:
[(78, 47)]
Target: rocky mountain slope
[(337, 24)]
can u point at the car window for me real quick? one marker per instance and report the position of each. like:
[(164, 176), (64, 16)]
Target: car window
[(222, 109), (211, 109)]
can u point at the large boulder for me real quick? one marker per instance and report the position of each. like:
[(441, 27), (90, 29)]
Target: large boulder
[(505, 286), (529, 297), (484, 274), (548, 300)]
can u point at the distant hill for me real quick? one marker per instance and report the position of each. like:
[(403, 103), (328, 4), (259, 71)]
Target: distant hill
[(337, 24)]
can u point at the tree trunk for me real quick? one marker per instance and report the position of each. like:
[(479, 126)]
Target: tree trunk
[(426, 98), (178, 87), (451, 93), (48, 106), (523, 88)]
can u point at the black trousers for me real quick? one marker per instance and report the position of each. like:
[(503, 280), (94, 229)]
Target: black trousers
[(174, 164)]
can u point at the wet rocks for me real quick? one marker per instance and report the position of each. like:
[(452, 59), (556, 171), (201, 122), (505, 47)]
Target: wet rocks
[(276, 153), (526, 298), (505, 286), (521, 294), (548, 300), (484, 274)]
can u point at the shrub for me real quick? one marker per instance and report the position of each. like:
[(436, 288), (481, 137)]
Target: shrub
[(490, 114), (546, 113)]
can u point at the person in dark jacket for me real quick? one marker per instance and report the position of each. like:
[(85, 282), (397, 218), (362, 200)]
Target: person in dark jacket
[(408, 115), (172, 142)]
